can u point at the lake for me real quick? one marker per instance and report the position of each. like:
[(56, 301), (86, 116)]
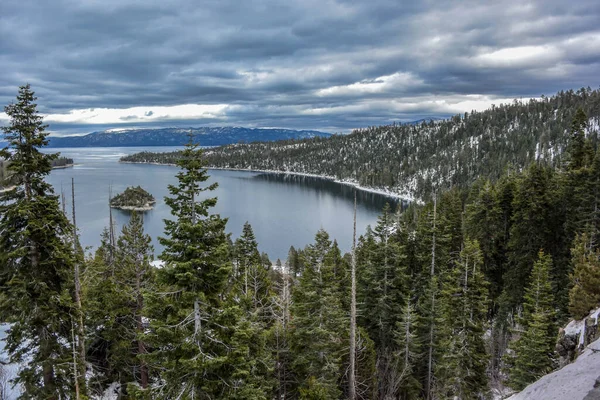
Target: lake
[(283, 209)]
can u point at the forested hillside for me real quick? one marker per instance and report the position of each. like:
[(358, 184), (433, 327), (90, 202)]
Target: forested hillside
[(417, 159)]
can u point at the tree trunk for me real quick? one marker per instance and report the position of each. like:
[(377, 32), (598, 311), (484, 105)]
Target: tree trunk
[(140, 329), (352, 375), (432, 316), (47, 367), (80, 326)]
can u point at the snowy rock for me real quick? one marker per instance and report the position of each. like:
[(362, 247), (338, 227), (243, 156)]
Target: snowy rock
[(575, 381), (576, 335)]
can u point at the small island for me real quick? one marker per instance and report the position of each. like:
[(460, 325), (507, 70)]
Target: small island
[(133, 199), (62, 162)]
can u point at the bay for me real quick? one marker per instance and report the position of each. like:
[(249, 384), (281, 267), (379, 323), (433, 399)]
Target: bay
[(283, 209)]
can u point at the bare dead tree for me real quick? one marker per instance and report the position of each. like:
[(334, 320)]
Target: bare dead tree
[(352, 377), (80, 328), (431, 327)]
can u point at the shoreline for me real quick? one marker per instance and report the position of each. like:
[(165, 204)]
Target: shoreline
[(380, 191), (64, 166), (148, 207)]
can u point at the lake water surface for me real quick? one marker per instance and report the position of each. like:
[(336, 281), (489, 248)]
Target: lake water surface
[(283, 209)]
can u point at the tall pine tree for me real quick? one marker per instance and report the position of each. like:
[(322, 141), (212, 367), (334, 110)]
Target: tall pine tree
[(461, 371), (585, 292), (190, 325), (534, 347), (37, 268)]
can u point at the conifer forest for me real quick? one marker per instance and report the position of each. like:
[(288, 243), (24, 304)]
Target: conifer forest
[(452, 296)]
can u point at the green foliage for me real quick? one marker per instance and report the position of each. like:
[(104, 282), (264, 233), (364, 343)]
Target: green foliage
[(585, 293), (537, 223), (114, 302), (319, 325), (192, 327), (533, 349), (409, 347), (37, 263), (461, 371)]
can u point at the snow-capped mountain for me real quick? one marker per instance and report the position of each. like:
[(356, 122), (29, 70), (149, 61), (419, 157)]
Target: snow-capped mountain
[(179, 136)]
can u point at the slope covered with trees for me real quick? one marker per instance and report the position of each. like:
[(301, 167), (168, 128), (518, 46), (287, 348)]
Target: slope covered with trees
[(415, 160)]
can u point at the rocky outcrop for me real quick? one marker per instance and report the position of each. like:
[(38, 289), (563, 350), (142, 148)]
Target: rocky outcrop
[(576, 336), (576, 381)]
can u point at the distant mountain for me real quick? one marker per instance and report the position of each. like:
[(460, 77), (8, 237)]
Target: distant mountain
[(179, 136), (423, 120)]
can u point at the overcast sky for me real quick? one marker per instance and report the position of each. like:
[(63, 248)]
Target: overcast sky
[(307, 64)]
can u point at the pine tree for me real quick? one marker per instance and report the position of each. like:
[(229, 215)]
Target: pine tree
[(533, 349), (579, 180), (246, 255), (536, 224), (293, 262), (585, 292), (191, 324), (461, 371), (36, 274), (319, 332), (485, 223), (383, 295), (407, 384), (116, 307), (254, 291)]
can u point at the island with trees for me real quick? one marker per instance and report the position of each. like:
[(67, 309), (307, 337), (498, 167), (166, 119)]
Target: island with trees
[(133, 199), (62, 162)]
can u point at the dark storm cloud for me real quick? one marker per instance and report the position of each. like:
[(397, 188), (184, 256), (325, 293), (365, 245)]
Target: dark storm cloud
[(331, 65)]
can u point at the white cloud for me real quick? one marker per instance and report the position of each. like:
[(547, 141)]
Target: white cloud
[(138, 114), (522, 56), (381, 84)]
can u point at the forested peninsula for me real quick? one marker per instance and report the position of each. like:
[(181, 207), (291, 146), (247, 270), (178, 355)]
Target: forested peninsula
[(5, 173), (416, 160)]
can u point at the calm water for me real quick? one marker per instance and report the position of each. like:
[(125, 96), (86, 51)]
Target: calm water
[(284, 210)]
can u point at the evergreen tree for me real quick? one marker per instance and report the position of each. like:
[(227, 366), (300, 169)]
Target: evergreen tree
[(254, 289), (319, 332), (585, 293), (279, 337), (293, 262), (536, 224), (191, 324), (484, 223), (246, 254), (382, 296), (534, 347), (407, 384), (37, 263), (461, 371), (579, 181), (116, 307)]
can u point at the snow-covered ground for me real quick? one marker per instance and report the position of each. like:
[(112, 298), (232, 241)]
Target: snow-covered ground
[(573, 382), (10, 370)]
